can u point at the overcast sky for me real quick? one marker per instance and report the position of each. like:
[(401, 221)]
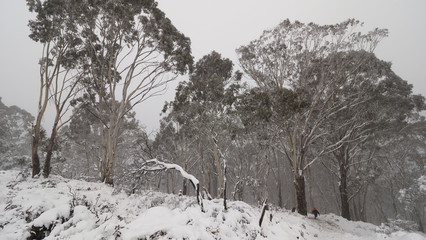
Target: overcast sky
[(223, 26)]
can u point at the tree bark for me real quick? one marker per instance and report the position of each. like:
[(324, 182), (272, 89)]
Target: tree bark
[(301, 195), (35, 158), (184, 187), (109, 167), (264, 208), (279, 180), (219, 171), (49, 152), (310, 184), (103, 152), (343, 188), (109, 179), (224, 187)]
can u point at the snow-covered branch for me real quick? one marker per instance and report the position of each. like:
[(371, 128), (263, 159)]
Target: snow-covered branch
[(155, 165)]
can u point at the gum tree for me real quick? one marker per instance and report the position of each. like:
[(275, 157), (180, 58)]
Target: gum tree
[(284, 61), (132, 51), (128, 51), (55, 28)]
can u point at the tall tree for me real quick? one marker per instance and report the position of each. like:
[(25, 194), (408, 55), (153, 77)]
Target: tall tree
[(283, 61), (383, 100), (131, 51), (54, 27), (201, 109)]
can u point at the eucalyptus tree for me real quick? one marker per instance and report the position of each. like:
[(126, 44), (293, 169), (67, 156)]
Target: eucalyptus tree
[(284, 59), (383, 102), (123, 51), (81, 146), (401, 158), (256, 108), (55, 28), (131, 51), (201, 112)]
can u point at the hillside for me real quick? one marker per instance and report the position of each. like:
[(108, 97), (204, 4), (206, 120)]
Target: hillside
[(71, 209)]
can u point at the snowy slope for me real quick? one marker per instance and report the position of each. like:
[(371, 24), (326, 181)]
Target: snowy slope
[(71, 209)]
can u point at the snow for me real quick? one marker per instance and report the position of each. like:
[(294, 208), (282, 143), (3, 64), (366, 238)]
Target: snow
[(45, 219), (81, 210), (173, 166)]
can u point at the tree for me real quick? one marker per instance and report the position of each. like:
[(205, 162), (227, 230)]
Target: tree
[(15, 136), (401, 159), (54, 27), (201, 113), (284, 61), (128, 51), (255, 109), (81, 146), (384, 101), (154, 165)]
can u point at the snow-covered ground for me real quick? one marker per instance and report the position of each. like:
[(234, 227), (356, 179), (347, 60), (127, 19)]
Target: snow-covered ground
[(71, 209)]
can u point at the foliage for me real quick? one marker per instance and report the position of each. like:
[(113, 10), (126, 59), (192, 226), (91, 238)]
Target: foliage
[(15, 136)]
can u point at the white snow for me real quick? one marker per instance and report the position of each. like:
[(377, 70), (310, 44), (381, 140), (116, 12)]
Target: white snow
[(184, 174), (82, 210)]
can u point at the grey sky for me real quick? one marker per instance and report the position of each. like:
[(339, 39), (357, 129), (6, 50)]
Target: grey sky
[(223, 26)]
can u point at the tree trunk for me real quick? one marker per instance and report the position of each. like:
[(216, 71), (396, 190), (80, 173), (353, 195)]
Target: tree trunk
[(36, 137), (184, 187), (103, 152), (185, 164), (109, 179), (364, 205), (293, 195), (112, 142), (109, 171), (279, 180), (219, 171), (49, 152), (301, 195), (203, 168), (344, 199), (46, 169), (45, 82), (310, 184), (35, 158), (264, 208), (224, 186)]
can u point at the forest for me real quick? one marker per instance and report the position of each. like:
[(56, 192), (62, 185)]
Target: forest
[(307, 118)]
